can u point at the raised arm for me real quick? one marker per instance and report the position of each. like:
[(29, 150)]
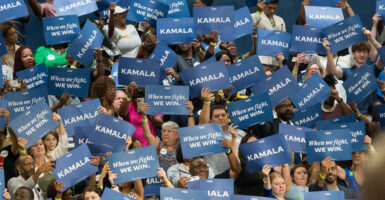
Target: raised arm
[(302, 15), (204, 117), (344, 5), (330, 66), (146, 128), (99, 63), (286, 176), (36, 8), (190, 120), (62, 101), (198, 50), (235, 166), (300, 59), (266, 177), (111, 23)]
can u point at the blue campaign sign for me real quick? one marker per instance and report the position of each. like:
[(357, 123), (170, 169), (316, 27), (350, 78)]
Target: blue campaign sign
[(218, 18), (217, 189), (175, 30), (294, 137), (308, 117), (19, 102), (380, 111), (82, 135), (34, 123), (307, 39), (176, 193), (84, 45), (152, 187), (167, 100), (164, 55), (211, 75), (328, 3), (251, 111), (246, 197), (82, 114), (141, 71), (270, 150), (112, 194), (114, 74), (313, 91), (61, 29), (322, 17), (272, 43), (360, 85), (177, 8), (243, 23), (34, 77), (280, 85), (2, 181), (246, 73), (74, 167), (324, 195), (380, 8), (337, 120), (201, 140), (12, 9), (134, 164), (3, 49), (75, 82), (104, 4), (344, 34), (150, 10), (3, 104), (75, 7), (381, 52), (328, 143), (111, 133)]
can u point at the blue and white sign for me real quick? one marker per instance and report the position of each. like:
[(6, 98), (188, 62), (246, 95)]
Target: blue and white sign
[(12, 9), (104, 4), (243, 23), (307, 39), (152, 187), (114, 74), (75, 7), (321, 17), (280, 85), (380, 8), (82, 135), (328, 3), (270, 150), (164, 55), (214, 18), (75, 82), (337, 120), (308, 117), (83, 46), (3, 49), (251, 111), (179, 194), (34, 77), (82, 114), (324, 195), (134, 164), (344, 34), (141, 71), (74, 166), (272, 43), (177, 8), (380, 111), (328, 143), (3, 104), (360, 85), (294, 137), (201, 140), (150, 10), (2, 181), (175, 30), (217, 189), (246, 197), (211, 75), (109, 194), (61, 29), (167, 100), (34, 123)]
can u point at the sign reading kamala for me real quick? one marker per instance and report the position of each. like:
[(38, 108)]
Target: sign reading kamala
[(344, 34), (34, 123), (246, 197), (211, 75), (272, 43), (134, 164), (322, 17), (152, 187), (177, 8), (114, 74), (3, 104), (167, 100), (360, 85), (243, 23), (150, 10), (328, 143), (307, 39), (74, 166), (12, 9), (270, 150), (313, 91), (246, 73), (181, 194), (295, 137), (82, 135), (380, 8), (337, 120), (201, 140), (59, 30), (111, 133), (175, 30), (82, 114), (280, 85), (76, 82), (109, 194), (84, 45), (328, 3), (380, 110), (251, 111), (141, 71), (308, 117), (217, 189), (164, 55), (34, 77), (3, 50), (218, 18), (324, 195), (75, 7)]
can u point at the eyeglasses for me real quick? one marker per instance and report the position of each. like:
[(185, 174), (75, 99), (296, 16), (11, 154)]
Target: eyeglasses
[(285, 106)]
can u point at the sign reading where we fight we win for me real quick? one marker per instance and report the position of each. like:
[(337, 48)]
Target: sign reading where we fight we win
[(12, 9), (328, 143), (35, 76), (380, 111), (181, 194), (270, 150), (322, 17), (177, 8), (76, 82), (75, 7), (201, 140), (134, 164), (83, 46), (307, 39), (141, 71), (295, 137), (308, 117), (150, 10), (74, 166), (272, 43), (61, 29), (217, 189), (251, 111), (175, 30), (34, 123), (360, 85), (3, 104), (167, 100), (19, 102)]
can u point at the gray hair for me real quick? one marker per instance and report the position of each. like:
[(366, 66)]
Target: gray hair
[(170, 124)]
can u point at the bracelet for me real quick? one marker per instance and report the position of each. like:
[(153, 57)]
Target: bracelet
[(200, 51), (358, 115), (190, 116), (206, 102), (259, 13), (144, 120), (295, 73), (322, 177), (23, 151), (229, 151), (148, 32), (213, 43), (168, 184), (128, 98), (57, 198), (99, 186)]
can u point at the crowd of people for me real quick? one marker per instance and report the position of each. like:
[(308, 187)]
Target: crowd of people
[(28, 170)]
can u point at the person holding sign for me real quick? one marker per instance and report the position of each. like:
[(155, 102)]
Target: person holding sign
[(274, 184), (41, 10), (56, 142), (133, 189), (295, 181), (104, 89), (23, 60), (10, 37)]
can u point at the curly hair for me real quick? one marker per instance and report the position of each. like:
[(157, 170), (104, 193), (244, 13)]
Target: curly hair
[(330, 80), (18, 66), (99, 87)]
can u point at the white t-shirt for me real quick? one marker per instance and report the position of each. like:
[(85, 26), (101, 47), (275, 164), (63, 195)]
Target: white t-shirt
[(127, 41)]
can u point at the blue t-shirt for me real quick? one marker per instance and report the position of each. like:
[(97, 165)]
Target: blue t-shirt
[(269, 193), (381, 77), (353, 185)]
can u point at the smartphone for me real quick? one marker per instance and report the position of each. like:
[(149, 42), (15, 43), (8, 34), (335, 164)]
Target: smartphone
[(15, 83), (310, 57), (139, 102)]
